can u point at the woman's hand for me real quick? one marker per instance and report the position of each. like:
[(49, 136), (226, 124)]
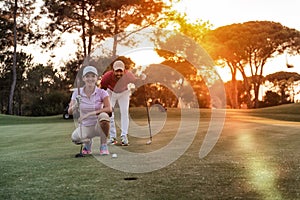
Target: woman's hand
[(81, 118)]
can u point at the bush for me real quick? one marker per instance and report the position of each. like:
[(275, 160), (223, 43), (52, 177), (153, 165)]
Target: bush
[(51, 104)]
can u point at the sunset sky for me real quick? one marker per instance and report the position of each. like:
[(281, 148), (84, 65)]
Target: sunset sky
[(225, 12)]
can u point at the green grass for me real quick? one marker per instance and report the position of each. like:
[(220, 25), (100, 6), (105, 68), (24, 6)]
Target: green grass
[(256, 157), (287, 112), (10, 119)]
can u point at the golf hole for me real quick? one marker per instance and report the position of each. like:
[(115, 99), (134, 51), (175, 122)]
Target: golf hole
[(130, 178)]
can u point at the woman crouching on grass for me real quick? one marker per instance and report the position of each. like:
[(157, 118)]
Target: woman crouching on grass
[(94, 107)]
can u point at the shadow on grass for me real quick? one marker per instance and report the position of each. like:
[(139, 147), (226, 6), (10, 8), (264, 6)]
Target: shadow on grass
[(12, 119), (37, 162)]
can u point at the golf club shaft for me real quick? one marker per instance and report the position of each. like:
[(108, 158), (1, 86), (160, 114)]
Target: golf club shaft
[(78, 91), (148, 114)]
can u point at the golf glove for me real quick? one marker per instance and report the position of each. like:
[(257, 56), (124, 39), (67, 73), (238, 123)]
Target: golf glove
[(143, 76), (78, 99), (77, 102)]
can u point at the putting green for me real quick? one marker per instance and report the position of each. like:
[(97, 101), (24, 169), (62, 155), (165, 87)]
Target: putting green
[(256, 157)]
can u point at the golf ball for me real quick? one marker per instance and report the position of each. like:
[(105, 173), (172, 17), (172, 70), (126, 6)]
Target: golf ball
[(114, 155)]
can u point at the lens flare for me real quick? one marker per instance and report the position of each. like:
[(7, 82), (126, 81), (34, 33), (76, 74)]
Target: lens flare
[(184, 63)]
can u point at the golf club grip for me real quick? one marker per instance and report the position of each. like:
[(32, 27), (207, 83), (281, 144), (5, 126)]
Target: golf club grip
[(78, 86)]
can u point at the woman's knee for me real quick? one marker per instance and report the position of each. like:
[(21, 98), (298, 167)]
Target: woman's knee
[(103, 117), (75, 136)]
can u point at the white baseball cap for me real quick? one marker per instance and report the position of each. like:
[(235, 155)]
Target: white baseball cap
[(118, 65), (89, 69)]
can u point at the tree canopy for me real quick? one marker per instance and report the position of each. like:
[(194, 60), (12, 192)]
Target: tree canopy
[(96, 20), (239, 46), (251, 44)]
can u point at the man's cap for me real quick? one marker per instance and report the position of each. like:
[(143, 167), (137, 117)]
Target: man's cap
[(89, 69), (118, 65)]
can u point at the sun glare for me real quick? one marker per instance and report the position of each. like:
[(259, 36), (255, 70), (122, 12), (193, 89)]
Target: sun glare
[(260, 172), (144, 56)]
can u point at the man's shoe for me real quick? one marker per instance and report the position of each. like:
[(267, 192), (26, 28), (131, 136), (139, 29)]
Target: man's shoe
[(113, 141), (124, 140)]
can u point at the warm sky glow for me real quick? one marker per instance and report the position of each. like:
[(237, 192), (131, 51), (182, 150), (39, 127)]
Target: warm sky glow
[(218, 13), (225, 12)]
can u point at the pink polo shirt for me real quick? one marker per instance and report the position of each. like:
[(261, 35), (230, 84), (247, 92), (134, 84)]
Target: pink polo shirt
[(109, 81), (95, 102)]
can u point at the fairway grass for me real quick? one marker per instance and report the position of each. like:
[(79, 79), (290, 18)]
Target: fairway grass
[(256, 157)]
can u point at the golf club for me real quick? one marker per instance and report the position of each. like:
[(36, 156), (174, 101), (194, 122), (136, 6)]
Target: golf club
[(148, 116), (80, 154)]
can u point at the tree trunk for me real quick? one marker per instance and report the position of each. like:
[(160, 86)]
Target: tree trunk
[(14, 73), (257, 84), (115, 44), (256, 92), (90, 44), (234, 94), (83, 28), (247, 88)]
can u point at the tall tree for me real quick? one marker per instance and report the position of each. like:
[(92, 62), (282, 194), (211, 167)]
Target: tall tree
[(186, 42), (251, 44), (284, 84), (14, 73), (24, 62), (96, 20), (14, 29), (184, 47), (188, 58)]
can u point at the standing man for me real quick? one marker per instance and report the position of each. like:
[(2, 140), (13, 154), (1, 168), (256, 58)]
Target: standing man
[(116, 83)]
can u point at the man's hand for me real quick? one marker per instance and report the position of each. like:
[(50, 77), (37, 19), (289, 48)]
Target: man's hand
[(143, 77), (109, 114)]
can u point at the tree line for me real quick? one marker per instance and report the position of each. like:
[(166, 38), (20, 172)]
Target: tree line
[(35, 89)]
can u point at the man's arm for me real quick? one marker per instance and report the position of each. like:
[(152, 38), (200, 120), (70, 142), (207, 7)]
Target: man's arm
[(104, 81), (137, 80)]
